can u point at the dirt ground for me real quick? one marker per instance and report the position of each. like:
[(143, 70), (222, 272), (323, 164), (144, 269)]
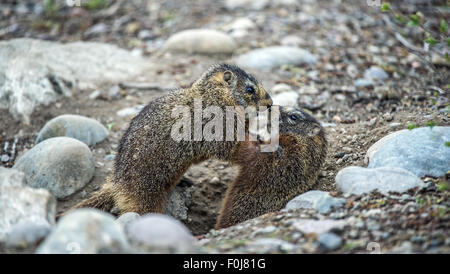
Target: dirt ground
[(355, 117)]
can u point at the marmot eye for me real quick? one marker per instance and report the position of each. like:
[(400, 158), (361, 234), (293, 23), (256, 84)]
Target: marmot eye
[(250, 90), (293, 117)]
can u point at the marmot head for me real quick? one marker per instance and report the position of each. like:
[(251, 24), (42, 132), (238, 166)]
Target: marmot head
[(295, 128), (243, 89), (294, 121)]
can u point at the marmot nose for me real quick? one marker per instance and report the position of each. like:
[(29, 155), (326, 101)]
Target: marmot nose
[(267, 101)]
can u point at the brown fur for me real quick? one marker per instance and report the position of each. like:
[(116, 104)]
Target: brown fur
[(149, 162), (267, 181)]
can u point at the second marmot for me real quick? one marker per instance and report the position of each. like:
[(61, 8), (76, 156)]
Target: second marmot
[(267, 181)]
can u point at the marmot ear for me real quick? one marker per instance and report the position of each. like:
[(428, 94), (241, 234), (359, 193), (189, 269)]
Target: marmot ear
[(314, 131), (228, 76)]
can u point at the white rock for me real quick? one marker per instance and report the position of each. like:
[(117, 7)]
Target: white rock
[(126, 219), (316, 199), (20, 204), (201, 41), (26, 235), (85, 231), (95, 94), (278, 88), (274, 57), (242, 23), (375, 73), (284, 2), (130, 111), (292, 41), (318, 226), (286, 99), (359, 180), (10, 177), (246, 4), (160, 233)]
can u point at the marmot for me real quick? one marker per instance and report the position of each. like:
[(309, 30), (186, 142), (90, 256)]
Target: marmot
[(150, 162), (267, 181)]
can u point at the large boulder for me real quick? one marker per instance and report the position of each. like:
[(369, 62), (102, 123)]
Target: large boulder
[(61, 165), (36, 72), (422, 151)]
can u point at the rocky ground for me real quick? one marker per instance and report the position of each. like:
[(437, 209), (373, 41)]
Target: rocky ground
[(342, 61)]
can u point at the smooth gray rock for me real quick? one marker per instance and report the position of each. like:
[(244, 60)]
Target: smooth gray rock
[(316, 199), (201, 41), (274, 57), (375, 73), (359, 180), (131, 111), (373, 148), (37, 72), (61, 165), (266, 230), (26, 235), (161, 234), (239, 28), (362, 82), (110, 157), (126, 219), (284, 2), (421, 151), (85, 231), (279, 88), (242, 23), (114, 93), (84, 129), (20, 204), (329, 241), (96, 29), (246, 4)]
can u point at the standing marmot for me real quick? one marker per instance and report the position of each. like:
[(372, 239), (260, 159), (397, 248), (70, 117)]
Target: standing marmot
[(267, 181), (149, 162)]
